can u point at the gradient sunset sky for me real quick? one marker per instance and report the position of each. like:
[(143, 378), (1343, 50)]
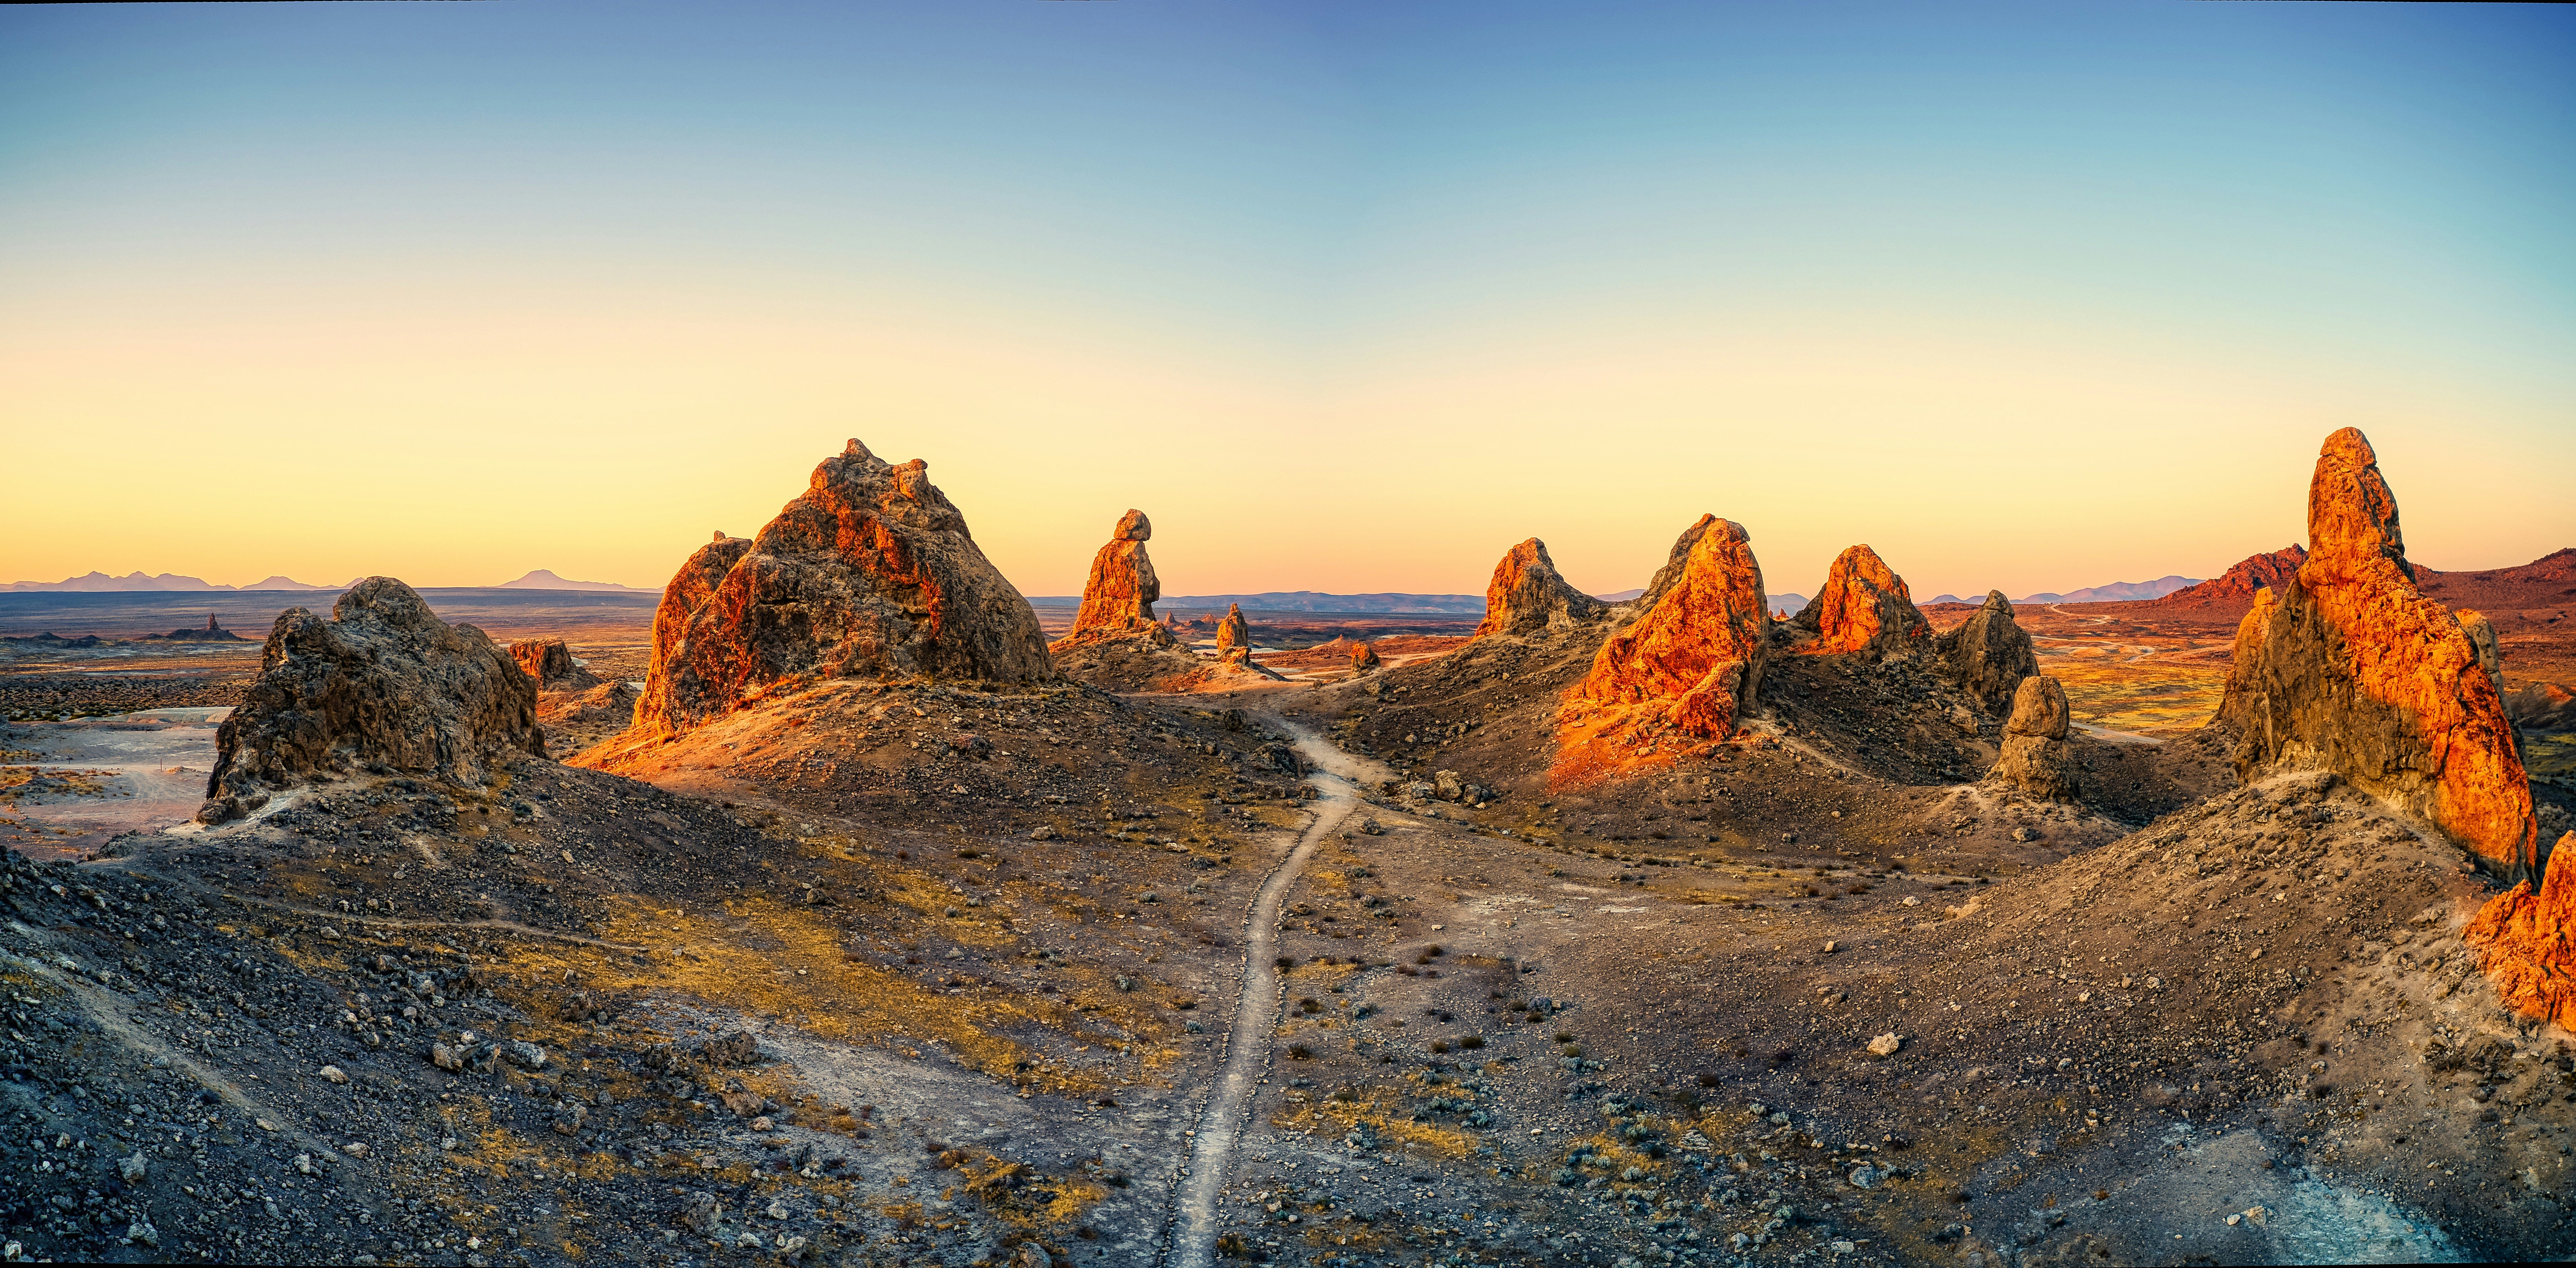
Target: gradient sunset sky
[(1347, 296)]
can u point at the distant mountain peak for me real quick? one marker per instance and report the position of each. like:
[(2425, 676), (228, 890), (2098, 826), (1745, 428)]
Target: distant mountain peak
[(544, 579)]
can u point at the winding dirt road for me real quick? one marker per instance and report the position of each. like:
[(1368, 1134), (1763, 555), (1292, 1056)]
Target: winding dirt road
[(1256, 1011)]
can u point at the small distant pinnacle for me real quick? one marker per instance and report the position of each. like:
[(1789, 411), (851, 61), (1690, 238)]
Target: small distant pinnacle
[(720, 534)]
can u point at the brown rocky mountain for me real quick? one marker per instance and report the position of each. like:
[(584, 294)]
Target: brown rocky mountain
[(2238, 584), (381, 686), (1528, 597), (2353, 669), (871, 574), (1864, 607)]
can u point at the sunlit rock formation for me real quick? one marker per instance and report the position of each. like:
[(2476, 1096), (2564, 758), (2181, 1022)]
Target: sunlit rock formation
[(1676, 679), (1989, 653), (1864, 607), (871, 573), (550, 664), (1118, 600), (1527, 596), (2348, 667), (2035, 757), (1364, 657), (382, 685), (2526, 942), (1233, 631)]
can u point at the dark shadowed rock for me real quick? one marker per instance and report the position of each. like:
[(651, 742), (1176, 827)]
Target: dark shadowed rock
[(1527, 596), (2035, 756), (1989, 654), (550, 664), (2354, 670), (382, 683), (870, 574), (2542, 706)]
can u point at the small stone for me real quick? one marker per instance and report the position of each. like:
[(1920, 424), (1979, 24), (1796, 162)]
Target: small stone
[(1831, 947), (137, 1231), (1885, 1045), (1844, 1248), (762, 1123), (778, 1210), (334, 1074), (356, 1149), (446, 1058), (132, 1168), (1042, 832)]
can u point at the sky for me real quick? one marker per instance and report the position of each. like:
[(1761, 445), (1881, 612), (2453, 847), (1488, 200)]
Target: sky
[(1347, 296)]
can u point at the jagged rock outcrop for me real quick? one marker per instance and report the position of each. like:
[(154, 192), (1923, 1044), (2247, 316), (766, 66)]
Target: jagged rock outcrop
[(2240, 583), (871, 573), (2036, 758), (1989, 653), (2348, 667), (1233, 631), (2542, 706), (1364, 658), (1676, 679), (381, 685), (1864, 607), (2482, 640), (550, 664), (2526, 942), (1527, 596), (1118, 599)]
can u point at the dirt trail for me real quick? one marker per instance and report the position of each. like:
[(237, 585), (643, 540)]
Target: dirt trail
[(1256, 1010)]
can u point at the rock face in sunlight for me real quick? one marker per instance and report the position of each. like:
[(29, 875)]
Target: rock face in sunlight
[(1118, 600), (1233, 631), (550, 664), (382, 684), (870, 574), (1527, 596), (2035, 757), (1989, 654), (1864, 607), (1363, 657), (1677, 678), (2526, 942), (2347, 667)]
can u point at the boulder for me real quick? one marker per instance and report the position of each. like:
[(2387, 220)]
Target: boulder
[(1864, 608), (2526, 942), (2035, 756), (1364, 658), (1526, 596), (1118, 600), (1989, 654), (382, 685), (2348, 667), (1233, 631), (550, 664), (1674, 680), (871, 573)]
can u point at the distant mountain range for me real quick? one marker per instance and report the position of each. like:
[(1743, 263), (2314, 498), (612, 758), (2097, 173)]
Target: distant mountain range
[(2116, 592), (133, 582)]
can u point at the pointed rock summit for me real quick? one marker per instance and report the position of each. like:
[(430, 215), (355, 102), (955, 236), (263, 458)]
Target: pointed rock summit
[(1864, 607), (1527, 596), (2347, 667), (1676, 679), (870, 574), (2035, 756), (382, 685), (1989, 653), (1118, 600)]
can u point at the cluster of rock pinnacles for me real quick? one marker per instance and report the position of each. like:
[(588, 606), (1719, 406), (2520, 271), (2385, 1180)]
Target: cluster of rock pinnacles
[(2343, 665)]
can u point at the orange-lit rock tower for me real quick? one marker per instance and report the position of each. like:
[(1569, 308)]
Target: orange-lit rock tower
[(1527, 596), (1674, 681), (1364, 658), (1864, 607), (871, 573), (1233, 631), (1118, 600), (2348, 667)]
